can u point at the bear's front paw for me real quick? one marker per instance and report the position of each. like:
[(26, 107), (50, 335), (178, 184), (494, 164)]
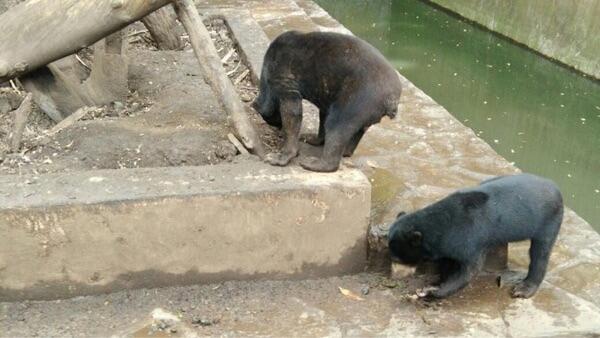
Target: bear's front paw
[(317, 164), (524, 289), (278, 159)]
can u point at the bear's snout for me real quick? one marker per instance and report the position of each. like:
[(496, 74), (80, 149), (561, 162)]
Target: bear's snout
[(393, 242)]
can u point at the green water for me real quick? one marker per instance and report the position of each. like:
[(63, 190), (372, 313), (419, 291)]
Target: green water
[(540, 115)]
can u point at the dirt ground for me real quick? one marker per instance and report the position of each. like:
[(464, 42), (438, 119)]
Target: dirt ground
[(361, 305), (170, 118), (313, 307)]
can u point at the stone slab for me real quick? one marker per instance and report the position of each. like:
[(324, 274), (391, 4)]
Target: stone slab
[(102, 231)]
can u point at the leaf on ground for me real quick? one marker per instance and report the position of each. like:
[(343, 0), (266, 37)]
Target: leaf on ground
[(350, 294)]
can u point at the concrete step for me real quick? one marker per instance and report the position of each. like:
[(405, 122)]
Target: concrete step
[(80, 233)]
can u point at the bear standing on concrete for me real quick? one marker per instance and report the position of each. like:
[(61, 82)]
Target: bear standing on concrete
[(350, 82), (457, 231)]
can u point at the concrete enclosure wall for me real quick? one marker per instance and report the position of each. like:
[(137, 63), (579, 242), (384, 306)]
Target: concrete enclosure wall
[(567, 31), (72, 234)]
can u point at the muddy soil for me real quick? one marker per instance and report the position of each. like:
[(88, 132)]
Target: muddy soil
[(253, 308)]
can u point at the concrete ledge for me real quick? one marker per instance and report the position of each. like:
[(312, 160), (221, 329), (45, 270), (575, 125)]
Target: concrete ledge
[(80, 233)]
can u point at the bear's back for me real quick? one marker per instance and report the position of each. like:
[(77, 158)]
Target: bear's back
[(345, 54), (521, 200)]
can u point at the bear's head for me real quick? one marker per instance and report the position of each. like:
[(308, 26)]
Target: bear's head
[(268, 107), (404, 241)]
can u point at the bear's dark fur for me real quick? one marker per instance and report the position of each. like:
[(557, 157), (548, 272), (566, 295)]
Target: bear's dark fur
[(457, 231), (350, 82)]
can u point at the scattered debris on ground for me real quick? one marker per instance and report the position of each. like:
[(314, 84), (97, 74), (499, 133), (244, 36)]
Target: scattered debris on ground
[(140, 38), (163, 321), (35, 138), (73, 148), (349, 294), (202, 321), (36, 126)]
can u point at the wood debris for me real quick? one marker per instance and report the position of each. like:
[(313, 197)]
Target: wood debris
[(349, 294), (227, 56), (237, 144), (241, 77)]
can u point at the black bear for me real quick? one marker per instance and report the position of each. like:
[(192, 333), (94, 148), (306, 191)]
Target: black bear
[(457, 231), (350, 82)]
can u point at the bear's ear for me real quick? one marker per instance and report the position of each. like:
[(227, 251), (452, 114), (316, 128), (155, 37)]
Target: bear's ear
[(415, 238), (473, 199), (401, 213)]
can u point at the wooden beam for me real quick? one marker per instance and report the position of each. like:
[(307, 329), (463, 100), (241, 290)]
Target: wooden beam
[(38, 32), (215, 76)]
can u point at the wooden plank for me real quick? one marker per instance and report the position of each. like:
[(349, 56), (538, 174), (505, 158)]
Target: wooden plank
[(38, 32)]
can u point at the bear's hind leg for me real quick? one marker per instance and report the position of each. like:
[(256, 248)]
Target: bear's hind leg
[(353, 143)]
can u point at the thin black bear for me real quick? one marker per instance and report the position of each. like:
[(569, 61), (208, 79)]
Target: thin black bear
[(350, 82), (457, 231)]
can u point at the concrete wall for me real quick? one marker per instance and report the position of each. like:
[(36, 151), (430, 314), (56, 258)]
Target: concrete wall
[(79, 233), (565, 30)]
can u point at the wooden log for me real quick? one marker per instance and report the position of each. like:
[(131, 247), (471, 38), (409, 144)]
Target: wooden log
[(38, 32), (163, 27), (20, 120), (215, 76), (57, 88), (108, 81), (44, 87)]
